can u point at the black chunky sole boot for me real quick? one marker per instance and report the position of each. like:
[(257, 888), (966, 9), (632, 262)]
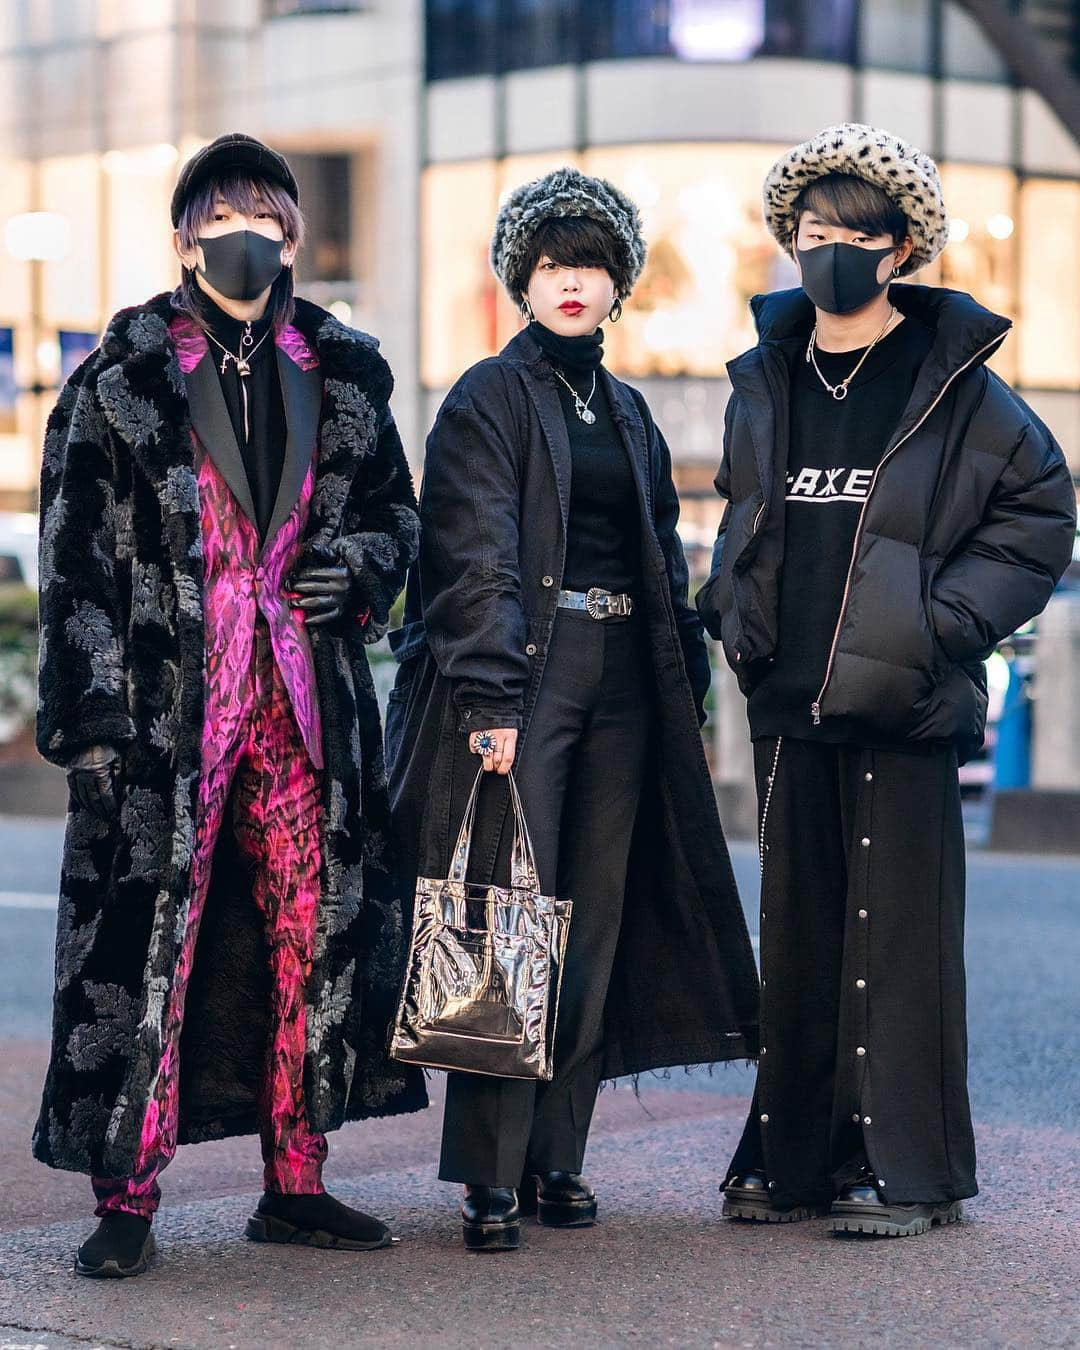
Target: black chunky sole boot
[(564, 1201), (882, 1220), (747, 1197), (490, 1219)]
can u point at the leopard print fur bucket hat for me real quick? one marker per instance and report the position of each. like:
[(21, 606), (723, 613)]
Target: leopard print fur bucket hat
[(909, 177)]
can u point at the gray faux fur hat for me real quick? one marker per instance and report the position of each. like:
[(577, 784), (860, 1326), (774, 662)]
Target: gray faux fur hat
[(909, 177), (564, 192)]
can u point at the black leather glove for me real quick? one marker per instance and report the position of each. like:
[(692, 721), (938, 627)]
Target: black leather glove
[(321, 590), (92, 777)]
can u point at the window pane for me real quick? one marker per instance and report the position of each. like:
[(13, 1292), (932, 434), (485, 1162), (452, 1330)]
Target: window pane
[(460, 38), (458, 289), (325, 183), (709, 252), (279, 8), (895, 34), (980, 255), (1049, 284), (968, 53), (466, 37), (626, 28), (538, 33)]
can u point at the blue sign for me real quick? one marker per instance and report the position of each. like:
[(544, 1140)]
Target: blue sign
[(8, 388), (75, 347)]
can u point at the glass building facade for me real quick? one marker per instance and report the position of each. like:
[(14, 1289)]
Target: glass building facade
[(1015, 241), (491, 37)]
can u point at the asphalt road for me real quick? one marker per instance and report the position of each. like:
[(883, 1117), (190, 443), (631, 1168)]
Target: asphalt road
[(660, 1269)]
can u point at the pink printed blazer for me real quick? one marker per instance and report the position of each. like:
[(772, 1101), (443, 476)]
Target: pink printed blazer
[(243, 577)]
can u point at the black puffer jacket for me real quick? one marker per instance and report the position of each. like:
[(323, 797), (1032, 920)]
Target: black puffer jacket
[(968, 527)]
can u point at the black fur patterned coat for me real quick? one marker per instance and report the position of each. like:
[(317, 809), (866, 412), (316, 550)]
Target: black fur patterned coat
[(121, 663)]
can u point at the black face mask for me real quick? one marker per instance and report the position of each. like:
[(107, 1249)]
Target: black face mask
[(242, 264), (840, 278)]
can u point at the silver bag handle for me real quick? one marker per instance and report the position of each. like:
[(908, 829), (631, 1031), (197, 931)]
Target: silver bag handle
[(522, 857)]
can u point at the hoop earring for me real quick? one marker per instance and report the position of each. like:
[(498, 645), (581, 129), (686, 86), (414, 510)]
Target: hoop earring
[(615, 313), (896, 271), (526, 310)]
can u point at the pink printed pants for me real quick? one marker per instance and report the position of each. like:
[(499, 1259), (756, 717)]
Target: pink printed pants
[(277, 816)]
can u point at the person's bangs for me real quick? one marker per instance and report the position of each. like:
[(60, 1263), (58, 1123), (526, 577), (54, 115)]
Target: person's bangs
[(575, 241), (850, 203), (244, 194)]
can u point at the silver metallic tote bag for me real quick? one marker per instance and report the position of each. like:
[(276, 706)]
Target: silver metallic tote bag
[(481, 993)]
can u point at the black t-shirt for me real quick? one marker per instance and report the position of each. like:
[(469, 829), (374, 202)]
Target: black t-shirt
[(835, 448), (603, 529)]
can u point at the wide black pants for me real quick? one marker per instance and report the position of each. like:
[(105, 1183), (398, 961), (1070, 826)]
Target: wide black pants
[(579, 771), (864, 1042)]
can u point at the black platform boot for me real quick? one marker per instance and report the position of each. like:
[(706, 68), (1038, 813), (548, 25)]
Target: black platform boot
[(490, 1219), (316, 1221), (562, 1200), (860, 1208), (746, 1196), (121, 1246)]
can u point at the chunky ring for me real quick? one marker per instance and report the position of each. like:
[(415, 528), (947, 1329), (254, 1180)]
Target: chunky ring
[(486, 743)]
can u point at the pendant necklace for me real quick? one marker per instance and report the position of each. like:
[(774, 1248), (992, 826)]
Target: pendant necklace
[(242, 361), (581, 405), (840, 391)]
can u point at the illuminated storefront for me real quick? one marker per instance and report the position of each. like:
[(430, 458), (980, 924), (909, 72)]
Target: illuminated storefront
[(1015, 246)]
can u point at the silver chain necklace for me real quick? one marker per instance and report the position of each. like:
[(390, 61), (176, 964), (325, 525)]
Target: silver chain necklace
[(581, 405), (243, 367), (840, 391), (243, 357)]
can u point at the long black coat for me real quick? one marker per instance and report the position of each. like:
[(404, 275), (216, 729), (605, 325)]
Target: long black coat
[(121, 663), (479, 615), (969, 526)]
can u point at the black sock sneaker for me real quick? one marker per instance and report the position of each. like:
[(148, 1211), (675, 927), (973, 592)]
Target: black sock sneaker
[(120, 1246), (316, 1221)]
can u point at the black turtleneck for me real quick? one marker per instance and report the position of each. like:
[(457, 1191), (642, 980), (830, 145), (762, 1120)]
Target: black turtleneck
[(603, 530), (263, 445)]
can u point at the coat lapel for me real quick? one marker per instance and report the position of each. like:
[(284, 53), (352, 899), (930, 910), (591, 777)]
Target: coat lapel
[(214, 428), (549, 410), (627, 415), (301, 392)]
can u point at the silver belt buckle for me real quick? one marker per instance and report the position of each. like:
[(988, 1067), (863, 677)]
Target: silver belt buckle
[(601, 604)]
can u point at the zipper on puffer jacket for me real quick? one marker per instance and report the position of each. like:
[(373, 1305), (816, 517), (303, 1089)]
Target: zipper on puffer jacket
[(815, 707)]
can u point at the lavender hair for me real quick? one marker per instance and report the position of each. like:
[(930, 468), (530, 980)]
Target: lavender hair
[(243, 193)]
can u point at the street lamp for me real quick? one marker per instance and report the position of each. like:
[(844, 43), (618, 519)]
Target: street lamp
[(37, 236)]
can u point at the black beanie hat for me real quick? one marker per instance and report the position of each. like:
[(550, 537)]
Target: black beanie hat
[(232, 151)]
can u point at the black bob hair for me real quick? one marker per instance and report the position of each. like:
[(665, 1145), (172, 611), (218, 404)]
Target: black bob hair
[(852, 203), (575, 241)]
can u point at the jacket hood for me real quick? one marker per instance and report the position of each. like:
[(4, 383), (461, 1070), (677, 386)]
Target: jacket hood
[(965, 332)]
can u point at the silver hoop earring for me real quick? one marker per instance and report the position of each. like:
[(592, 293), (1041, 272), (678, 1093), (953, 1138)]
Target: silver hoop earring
[(896, 271), (526, 311), (615, 313)]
